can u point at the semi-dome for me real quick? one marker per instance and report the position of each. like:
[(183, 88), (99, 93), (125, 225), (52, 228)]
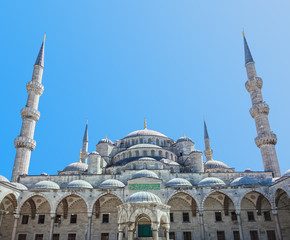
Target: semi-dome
[(105, 140), (143, 197), (211, 181), (19, 186), (214, 164), (144, 146), (111, 183), (76, 166), (169, 162), (145, 173), (3, 179), (184, 139), (286, 174), (145, 132), (49, 185), (179, 183), (244, 181), (79, 184)]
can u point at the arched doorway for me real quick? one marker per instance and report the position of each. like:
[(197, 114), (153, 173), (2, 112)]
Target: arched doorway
[(282, 204), (143, 223)]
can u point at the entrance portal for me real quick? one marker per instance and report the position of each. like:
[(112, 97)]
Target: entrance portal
[(144, 231)]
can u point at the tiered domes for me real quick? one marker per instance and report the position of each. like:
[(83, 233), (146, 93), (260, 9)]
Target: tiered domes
[(111, 184), (45, 185), (179, 183), (145, 132), (143, 197), (211, 181)]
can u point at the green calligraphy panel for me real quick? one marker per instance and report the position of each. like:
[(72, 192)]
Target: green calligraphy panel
[(144, 186)]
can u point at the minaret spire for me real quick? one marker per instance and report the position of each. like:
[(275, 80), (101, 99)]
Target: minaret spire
[(25, 143), (266, 139), (208, 151), (84, 152)]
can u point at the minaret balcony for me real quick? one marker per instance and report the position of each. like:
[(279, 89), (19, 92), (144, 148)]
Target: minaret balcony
[(254, 83), (35, 87), (30, 113), (24, 142), (259, 109), (266, 139)]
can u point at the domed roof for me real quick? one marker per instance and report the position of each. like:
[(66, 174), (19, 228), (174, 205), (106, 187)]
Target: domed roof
[(184, 139), (179, 183), (243, 181), (286, 174), (143, 197), (105, 140), (79, 184), (214, 164), (146, 159), (49, 185), (111, 183), (145, 132), (145, 173), (76, 166), (3, 179), (19, 186), (269, 181), (169, 162), (211, 181), (144, 146)]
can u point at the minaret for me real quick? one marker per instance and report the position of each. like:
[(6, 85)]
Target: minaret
[(85, 153), (208, 151), (266, 139), (25, 143)]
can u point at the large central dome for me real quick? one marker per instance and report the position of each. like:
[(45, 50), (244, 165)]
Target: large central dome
[(145, 132)]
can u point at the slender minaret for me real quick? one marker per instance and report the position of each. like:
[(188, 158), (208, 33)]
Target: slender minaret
[(85, 153), (30, 115), (208, 151), (266, 139)]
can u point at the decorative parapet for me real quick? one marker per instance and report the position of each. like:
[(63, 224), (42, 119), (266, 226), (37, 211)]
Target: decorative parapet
[(24, 142), (30, 113), (255, 83), (258, 109), (266, 139), (35, 87)]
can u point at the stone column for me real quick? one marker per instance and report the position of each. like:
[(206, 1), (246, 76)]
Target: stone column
[(277, 223), (167, 234), (240, 225), (89, 227), (16, 217), (201, 222), (120, 235), (52, 221), (155, 234), (130, 234)]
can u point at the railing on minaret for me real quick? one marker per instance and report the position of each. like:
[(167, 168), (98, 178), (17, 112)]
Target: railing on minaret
[(30, 115), (266, 139)]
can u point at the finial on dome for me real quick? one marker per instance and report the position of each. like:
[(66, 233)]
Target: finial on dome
[(80, 157), (183, 134), (145, 123), (106, 137)]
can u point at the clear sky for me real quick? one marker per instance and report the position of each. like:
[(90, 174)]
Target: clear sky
[(116, 62)]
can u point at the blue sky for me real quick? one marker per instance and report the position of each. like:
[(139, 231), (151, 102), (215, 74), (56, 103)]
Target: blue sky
[(116, 62)]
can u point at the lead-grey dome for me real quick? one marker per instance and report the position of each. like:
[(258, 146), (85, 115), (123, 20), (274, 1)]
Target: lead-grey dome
[(211, 181), (143, 197), (19, 186), (243, 181), (144, 145), (111, 183), (145, 132), (105, 140), (286, 174), (49, 185), (184, 139), (3, 179), (179, 183), (145, 173), (215, 164), (79, 184), (77, 166)]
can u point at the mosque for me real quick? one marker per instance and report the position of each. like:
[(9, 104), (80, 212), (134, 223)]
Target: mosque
[(146, 185)]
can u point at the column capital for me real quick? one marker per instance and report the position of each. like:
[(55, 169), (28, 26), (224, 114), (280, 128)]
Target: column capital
[(16, 215)]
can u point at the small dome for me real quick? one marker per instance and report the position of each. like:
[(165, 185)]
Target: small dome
[(269, 181), (43, 174), (76, 166), (3, 179), (211, 181), (19, 186), (49, 185), (145, 173), (179, 183), (214, 164), (248, 170), (143, 197), (169, 162), (79, 184), (184, 139), (111, 183), (286, 174), (105, 140), (144, 146), (243, 181), (145, 132)]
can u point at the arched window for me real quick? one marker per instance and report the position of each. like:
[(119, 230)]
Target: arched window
[(152, 153), (137, 153), (144, 166), (171, 156), (123, 156), (156, 166), (160, 153), (129, 154), (144, 153), (134, 166), (141, 140), (167, 155), (157, 141), (149, 140)]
